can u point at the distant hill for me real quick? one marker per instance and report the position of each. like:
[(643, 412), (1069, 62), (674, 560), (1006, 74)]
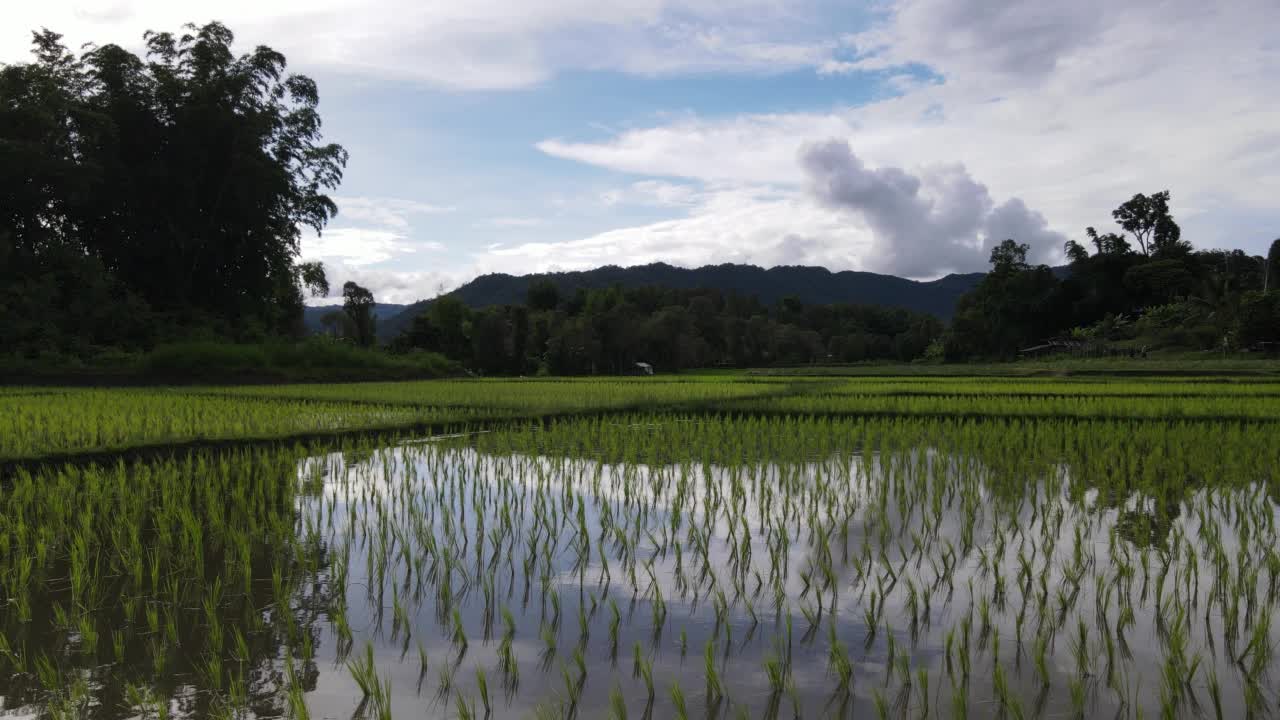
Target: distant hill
[(810, 284), (383, 311)]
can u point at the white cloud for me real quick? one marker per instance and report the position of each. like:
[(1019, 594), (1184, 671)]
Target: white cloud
[(512, 222), (468, 44), (1047, 104), (387, 286), (384, 212), (745, 225), (361, 246), (652, 193)]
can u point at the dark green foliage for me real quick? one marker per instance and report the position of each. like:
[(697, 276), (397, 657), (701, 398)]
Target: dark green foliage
[(312, 359), (1272, 271), (1260, 320), (543, 295), (1006, 311), (142, 197), (1158, 281), (358, 305), (609, 330), (1009, 257), (812, 285), (316, 357), (1116, 300), (1147, 218)]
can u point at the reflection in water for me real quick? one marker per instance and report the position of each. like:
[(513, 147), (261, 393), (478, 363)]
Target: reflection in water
[(169, 587), (745, 567)]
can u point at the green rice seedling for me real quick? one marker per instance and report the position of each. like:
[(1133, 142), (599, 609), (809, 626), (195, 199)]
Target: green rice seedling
[(465, 707), (715, 690), (364, 672), (296, 699), (617, 704), (459, 636), (482, 683), (775, 672), (1215, 694), (1076, 688), (646, 673), (615, 619), (882, 705), (446, 676), (677, 702), (580, 660)]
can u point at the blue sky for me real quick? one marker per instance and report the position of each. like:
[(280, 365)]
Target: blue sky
[(902, 136)]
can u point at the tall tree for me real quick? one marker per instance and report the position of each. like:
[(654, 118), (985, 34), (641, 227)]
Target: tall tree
[(1075, 252), (358, 304), (1147, 219), (1009, 257), (1272, 266)]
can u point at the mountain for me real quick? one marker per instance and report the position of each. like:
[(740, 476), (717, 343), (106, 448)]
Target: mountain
[(810, 284), (383, 311)]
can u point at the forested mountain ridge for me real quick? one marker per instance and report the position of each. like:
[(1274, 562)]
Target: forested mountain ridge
[(811, 285)]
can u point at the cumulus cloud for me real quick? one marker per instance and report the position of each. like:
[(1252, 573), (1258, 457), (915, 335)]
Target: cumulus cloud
[(941, 220)]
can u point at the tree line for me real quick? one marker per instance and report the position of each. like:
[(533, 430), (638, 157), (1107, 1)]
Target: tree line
[(1126, 293), (1140, 290), (610, 330)]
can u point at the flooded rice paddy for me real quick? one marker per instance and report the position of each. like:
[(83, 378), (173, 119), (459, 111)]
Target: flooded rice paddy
[(657, 566)]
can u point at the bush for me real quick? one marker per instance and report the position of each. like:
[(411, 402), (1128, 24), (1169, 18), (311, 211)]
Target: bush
[(1259, 321), (313, 358)]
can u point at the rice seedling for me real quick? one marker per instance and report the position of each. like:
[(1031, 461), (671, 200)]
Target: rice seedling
[(1057, 529), (617, 704), (677, 702)]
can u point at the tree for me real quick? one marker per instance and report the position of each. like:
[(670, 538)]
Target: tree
[(336, 323), (1272, 265), (1109, 243), (543, 295), (1259, 320), (1009, 257), (1075, 252), (1013, 306), (1159, 281), (186, 174), (310, 275), (358, 304), (1147, 218)]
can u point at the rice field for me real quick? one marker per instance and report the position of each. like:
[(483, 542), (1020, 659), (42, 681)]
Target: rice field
[(88, 421), (532, 396), (889, 547)]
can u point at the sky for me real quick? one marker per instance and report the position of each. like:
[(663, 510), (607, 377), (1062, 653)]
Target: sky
[(895, 136)]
